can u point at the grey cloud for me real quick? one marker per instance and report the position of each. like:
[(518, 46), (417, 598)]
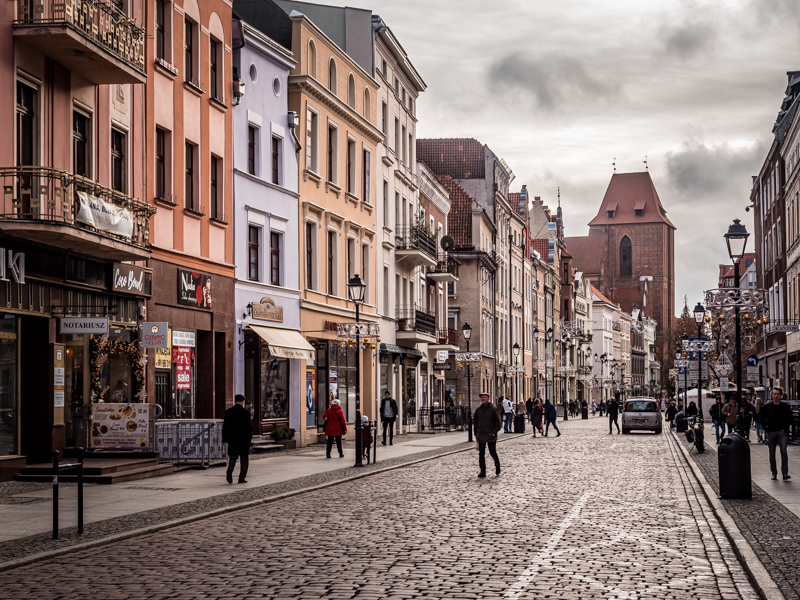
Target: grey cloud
[(552, 80), (773, 12), (687, 40)]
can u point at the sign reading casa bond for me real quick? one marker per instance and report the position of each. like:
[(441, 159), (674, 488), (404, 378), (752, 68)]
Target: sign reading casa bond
[(130, 279), (84, 325)]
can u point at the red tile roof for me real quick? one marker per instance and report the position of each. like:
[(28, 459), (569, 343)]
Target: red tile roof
[(626, 193), (587, 251), (514, 199), (597, 293), (460, 158), (542, 246), (459, 219), (627, 297)]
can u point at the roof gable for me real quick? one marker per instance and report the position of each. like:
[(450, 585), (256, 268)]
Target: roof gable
[(631, 198), (460, 158)]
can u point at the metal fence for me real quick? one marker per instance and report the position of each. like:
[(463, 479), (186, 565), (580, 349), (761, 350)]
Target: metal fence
[(448, 418), (190, 441)]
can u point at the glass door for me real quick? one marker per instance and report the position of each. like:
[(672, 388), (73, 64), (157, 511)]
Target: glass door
[(8, 386)]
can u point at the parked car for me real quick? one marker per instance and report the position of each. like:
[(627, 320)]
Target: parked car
[(641, 413)]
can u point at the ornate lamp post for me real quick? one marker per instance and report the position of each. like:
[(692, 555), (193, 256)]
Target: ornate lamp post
[(356, 288), (516, 350), (736, 239), (536, 359), (549, 339), (466, 331), (699, 317)]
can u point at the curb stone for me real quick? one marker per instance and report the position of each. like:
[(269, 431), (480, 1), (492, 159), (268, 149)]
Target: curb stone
[(759, 576), (117, 537)]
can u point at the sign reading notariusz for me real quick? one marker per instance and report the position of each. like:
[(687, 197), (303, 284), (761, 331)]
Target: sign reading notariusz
[(97, 325), (194, 289)]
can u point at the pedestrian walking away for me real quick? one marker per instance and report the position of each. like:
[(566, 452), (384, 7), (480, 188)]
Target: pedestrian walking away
[(536, 416), (672, 412), (388, 416), (486, 424), (731, 413), (762, 438), (237, 432), (335, 427), (366, 438), (746, 413), (776, 417), (717, 418), (508, 415), (613, 413), (550, 415), (529, 407)]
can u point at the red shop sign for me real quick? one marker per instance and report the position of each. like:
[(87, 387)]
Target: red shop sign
[(183, 368)]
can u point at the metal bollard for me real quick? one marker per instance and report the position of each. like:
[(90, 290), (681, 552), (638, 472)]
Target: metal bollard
[(55, 494), (80, 490)]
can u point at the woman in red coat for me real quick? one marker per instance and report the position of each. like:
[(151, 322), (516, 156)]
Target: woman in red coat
[(335, 427)]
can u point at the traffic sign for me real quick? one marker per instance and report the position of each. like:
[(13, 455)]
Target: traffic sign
[(723, 384), (752, 360)]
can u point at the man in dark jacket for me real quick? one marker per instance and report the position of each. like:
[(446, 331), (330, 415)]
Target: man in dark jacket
[(716, 417), (237, 432), (776, 417), (550, 415), (486, 424), (613, 413), (388, 415)]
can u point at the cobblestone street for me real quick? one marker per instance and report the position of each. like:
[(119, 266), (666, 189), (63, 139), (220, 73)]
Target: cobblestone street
[(584, 515)]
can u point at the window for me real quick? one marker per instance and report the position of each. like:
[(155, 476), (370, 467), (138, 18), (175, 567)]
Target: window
[(403, 156), (312, 141), (333, 141), (331, 262), (384, 109), (332, 76), (351, 258), (367, 106), (638, 212), (276, 160), (253, 251), (312, 59), (161, 163), (351, 166), (80, 145), (397, 136), (188, 47), (214, 198), (365, 270), (275, 258), (311, 246), (189, 191), (611, 213), (26, 124), (118, 151), (351, 91), (383, 66), (385, 203), (252, 141), (160, 33), (625, 262), (365, 178), (213, 75), (410, 149)]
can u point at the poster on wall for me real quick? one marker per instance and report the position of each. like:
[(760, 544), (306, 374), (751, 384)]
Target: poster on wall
[(311, 401), (125, 425), (194, 289), (183, 367)]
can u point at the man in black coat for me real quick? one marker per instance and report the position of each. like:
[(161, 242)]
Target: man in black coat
[(388, 415), (776, 418), (613, 413), (237, 432)]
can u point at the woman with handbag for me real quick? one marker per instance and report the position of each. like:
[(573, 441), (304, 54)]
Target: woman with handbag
[(335, 428)]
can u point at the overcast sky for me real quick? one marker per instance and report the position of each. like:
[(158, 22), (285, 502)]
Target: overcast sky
[(559, 89)]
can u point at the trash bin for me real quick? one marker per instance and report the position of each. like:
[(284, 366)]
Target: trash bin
[(519, 424), (585, 412), (733, 455), (681, 423)]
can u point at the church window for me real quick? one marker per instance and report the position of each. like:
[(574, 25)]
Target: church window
[(625, 262)]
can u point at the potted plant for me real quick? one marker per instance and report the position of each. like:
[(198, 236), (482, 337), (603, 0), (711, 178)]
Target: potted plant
[(285, 437)]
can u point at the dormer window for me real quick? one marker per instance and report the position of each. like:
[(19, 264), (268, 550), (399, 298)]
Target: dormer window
[(638, 209), (611, 213)]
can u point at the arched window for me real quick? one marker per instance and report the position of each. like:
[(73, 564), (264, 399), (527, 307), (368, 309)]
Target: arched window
[(332, 76), (366, 104), (625, 257), (351, 91), (312, 59)]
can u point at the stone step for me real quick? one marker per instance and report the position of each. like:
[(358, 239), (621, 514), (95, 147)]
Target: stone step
[(142, 472)]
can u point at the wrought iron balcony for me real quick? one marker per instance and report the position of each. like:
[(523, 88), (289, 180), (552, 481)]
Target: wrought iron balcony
[(415, 247), (447, 337), (51, 206), (445, 269), (93, 38), (415, 320)]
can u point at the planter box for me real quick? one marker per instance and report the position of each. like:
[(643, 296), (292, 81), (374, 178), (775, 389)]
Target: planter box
[(288, 444)]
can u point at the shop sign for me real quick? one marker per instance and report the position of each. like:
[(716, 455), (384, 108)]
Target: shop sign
[(13, 264), (183, 368), (155, 335), (194, 289), (265, 310), (84, 325), (441, 366), (125, 425), (183, 338), (104, 216), (441, 356), (130, 279)]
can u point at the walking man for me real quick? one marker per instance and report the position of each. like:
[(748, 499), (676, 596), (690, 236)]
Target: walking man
[(717, 418), (237, 432), (388, 416), (550, 415), (486, 424), (776, 417), (613, 413), (508, 416)]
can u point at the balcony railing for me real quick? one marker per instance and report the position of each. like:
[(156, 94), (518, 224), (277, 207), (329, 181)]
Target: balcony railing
[(47, 195), (416, 238), (414, 318), (447, 337), (445, 265), (100, 22)]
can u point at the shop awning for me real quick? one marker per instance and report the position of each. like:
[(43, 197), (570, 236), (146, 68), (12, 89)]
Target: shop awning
[(284, 343), (439, 377), (393, 349)]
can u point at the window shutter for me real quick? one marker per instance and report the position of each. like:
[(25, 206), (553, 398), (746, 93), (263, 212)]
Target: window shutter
[(308, 139)]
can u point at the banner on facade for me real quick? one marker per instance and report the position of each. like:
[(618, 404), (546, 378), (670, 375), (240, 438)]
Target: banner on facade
[(127, 425), (194, 289), (104, 216)]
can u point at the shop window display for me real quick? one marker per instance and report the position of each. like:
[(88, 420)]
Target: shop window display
[(274, 387)]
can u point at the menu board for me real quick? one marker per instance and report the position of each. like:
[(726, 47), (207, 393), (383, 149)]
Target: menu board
[(126, 425)]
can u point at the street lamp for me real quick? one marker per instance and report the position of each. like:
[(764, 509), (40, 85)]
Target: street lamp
[(516, 349), (736, 239), (466, 331), (684, 340), (552, 390), (536, 374), (699, 317), (356, 288)]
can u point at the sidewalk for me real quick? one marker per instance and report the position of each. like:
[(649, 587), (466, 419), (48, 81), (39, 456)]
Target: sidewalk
[(29, 511)]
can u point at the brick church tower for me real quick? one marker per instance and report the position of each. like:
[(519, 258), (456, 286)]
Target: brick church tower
[(629, 253)]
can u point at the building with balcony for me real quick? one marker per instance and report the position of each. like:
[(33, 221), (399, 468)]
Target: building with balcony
[(74, 222)]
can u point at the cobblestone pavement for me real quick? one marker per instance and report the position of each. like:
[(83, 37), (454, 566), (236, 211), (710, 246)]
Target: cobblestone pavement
[(584, 515), (770, 528)]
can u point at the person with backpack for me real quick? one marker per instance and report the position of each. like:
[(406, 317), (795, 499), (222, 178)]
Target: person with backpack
[(550, 416), (508, 415)]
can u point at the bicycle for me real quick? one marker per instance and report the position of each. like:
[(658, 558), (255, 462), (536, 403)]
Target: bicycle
[(695, 435)]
